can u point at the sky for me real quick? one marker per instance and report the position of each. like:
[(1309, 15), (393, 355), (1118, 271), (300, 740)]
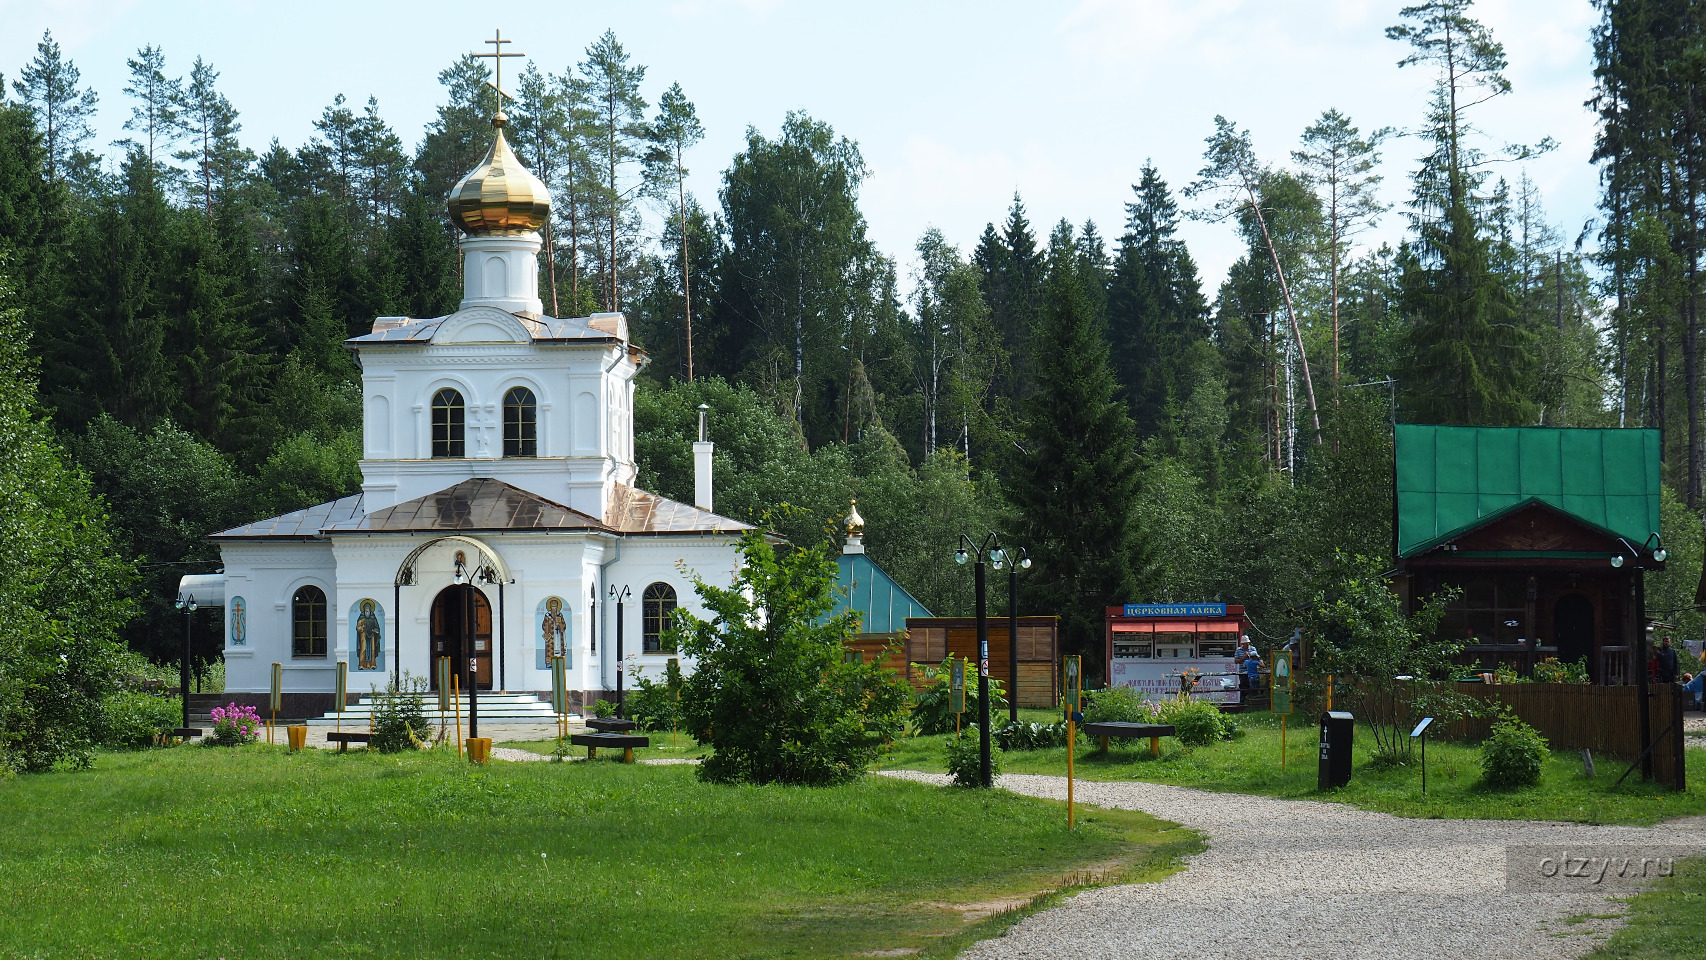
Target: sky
[(954, 105)]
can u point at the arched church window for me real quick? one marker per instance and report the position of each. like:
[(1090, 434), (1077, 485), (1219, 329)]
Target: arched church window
[(521, 423), (308, 622), (658, 603), (448, 424)]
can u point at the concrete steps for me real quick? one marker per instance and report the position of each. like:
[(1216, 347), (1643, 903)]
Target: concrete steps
[(494, 707)]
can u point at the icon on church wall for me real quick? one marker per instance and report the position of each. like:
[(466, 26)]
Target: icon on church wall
[(552, 624), (239, 622), (367, 634)]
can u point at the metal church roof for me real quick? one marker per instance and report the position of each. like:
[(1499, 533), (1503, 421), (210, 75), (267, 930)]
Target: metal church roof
[(1449, 480), (882, 604)]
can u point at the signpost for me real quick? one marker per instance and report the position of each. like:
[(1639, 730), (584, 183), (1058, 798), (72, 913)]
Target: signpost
[(1422, 731), (277, 699), (1279, 697), (956, 690), (341, 693), (1072, 680)]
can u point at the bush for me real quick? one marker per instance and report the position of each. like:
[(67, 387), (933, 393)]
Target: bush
[(1119, 705), (930, 713), (772, 692), (1196, 722), (656, 706), (965, 756), (1551, 670), (234, 725), (603, 709), (1031, 735), (1512, 755), (399, 717), (130, 719)]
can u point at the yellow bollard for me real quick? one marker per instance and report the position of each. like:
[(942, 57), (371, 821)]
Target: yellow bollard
[(298, 737)]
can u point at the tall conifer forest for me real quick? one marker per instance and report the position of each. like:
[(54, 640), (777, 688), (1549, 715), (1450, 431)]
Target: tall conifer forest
[(1071, 385)]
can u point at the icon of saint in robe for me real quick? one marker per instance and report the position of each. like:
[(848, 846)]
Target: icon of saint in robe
[(369, 634), (554, 630)]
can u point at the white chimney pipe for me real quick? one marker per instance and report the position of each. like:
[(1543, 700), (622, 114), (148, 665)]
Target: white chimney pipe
[(702, 464)]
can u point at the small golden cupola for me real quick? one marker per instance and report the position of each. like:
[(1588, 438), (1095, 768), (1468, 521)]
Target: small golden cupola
[(855, 531), (500, 197)]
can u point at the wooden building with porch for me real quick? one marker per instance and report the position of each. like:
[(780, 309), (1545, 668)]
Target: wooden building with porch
[(1546, 533)]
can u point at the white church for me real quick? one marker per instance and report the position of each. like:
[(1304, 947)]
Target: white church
[(498, 451)]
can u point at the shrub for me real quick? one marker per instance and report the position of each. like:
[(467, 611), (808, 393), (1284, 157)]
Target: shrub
[(132, 719), (603, 709), (930, 713), (772, 692), (965, 755), (1196, 722), (656, 706), (1512, 755), (1030, 735), (1119, 705), (1552, 670), (234, 725), (399, 717)]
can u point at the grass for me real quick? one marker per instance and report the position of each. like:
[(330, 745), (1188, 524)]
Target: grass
[(1251, 764), (255, 853), (1666, 922)]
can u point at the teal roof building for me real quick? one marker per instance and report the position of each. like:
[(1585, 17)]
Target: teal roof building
[(882, 604)]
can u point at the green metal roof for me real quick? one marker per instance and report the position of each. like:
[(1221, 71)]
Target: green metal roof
[(1450, 479), (883, 605)]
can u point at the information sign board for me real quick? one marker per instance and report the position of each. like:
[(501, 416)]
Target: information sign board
[(1280, 698), (1071, 672), (956, 685)]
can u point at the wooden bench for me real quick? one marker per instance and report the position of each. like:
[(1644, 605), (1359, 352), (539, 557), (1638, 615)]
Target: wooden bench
[(610, 724), (592, 741), (343, 740), (1130, 731), (185, 733)]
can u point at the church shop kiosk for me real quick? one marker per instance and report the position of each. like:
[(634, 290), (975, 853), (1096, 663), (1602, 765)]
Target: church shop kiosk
[(1151, 647)]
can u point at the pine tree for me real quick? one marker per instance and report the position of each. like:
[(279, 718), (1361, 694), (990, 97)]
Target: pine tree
[(211, 121), (156, 114), (675, 131), (48, 86), (613, 89), (1075, 481), (1339, 163)]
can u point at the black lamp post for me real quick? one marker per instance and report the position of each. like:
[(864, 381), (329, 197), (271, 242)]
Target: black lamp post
[(1003, 558), (619, 596), (466, 582), (982, 553), (187, 605)]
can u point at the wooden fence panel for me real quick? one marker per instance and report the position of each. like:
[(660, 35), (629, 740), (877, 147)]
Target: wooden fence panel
[(1576, 716)]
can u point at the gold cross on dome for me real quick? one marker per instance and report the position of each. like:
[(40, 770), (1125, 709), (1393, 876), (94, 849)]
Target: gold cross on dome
[(497, 56)]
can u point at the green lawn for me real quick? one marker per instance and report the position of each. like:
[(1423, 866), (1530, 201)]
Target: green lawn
[(255, 853), (1251, 764), (1667, 922)]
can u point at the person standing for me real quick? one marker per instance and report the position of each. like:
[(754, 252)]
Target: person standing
[(1249, 664), (1667, 661)]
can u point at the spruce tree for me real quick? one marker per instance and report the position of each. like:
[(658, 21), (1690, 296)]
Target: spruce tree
[(1075, 480), (1156, 309)]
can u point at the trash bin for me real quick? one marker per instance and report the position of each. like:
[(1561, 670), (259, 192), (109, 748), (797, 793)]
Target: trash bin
[(1337, 728)]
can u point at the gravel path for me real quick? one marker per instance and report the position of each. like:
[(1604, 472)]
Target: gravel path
[(1305, 880)]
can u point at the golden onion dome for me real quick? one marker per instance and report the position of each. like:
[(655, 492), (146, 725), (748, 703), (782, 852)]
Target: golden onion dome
[(855, 523), (499, 197)]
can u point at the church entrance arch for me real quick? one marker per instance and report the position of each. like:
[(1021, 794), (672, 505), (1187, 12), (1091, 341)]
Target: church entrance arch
[(450, 629), (1572, 621)]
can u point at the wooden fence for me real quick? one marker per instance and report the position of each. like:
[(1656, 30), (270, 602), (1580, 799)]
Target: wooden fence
[(1578, 716)]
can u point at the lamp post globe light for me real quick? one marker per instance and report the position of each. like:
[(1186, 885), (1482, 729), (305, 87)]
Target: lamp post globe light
[(1003, 557), (187, 605), (983, 553)]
